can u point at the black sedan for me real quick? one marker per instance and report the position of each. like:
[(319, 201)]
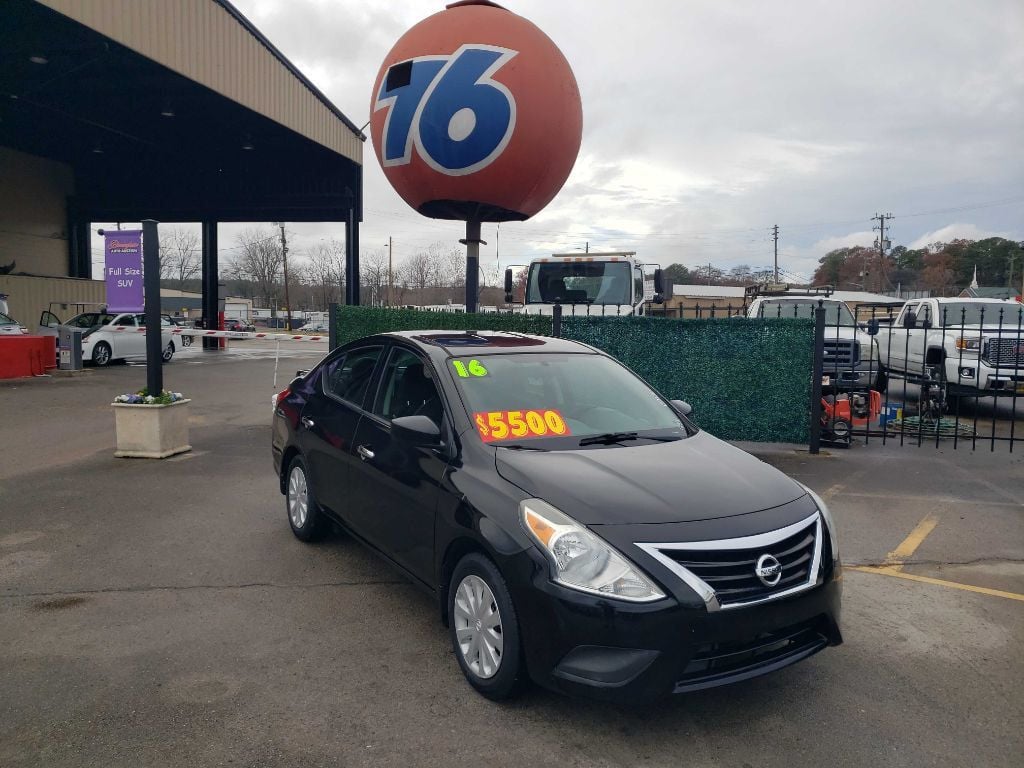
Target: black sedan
[(574, 526)]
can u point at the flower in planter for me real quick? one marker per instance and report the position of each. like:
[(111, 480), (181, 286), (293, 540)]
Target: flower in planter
[(142, 397)]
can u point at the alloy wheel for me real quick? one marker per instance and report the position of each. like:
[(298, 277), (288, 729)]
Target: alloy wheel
[(478, 627), (298, 497)]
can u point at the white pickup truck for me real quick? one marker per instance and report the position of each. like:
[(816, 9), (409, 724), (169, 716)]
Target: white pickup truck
[(969, 346), (850, 359)]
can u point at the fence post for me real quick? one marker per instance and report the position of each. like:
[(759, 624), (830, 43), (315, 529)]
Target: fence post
[(817, 369), (556, 321), (332, 325)]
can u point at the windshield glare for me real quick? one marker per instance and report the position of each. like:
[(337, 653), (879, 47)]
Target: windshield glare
[(836, 312), (588, 394), (579, 282), (959, 313)]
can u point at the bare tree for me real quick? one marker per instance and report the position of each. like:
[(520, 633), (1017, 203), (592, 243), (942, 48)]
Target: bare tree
[(179, 255), (420, 270), (326, 271), (259, 261), (373, 276)]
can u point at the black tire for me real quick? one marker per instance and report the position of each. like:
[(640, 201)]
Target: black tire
[(314, 525), (168, 352), (186, 341), (882, 380), (101, 354), (510, 677)]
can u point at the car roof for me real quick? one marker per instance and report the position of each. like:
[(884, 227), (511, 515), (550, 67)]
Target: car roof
[(444, 343)]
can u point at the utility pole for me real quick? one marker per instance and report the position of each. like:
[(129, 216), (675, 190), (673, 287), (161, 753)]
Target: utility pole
[(284, 262), (775, 235), (390, 278), (586, 248), (881, 243), (709, 273)]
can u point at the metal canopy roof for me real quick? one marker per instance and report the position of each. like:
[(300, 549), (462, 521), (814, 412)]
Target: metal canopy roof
[(244, 138)]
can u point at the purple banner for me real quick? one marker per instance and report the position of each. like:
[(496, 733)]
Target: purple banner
[(122, 253)]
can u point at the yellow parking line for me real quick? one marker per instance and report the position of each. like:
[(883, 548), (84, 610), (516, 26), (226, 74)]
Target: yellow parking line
[(910, 544), (888, 570)]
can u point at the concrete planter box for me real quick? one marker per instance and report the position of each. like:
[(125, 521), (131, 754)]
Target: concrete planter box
[(151, 431)]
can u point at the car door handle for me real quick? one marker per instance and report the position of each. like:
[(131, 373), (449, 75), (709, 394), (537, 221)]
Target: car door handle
[(308, 423), (365, 453)]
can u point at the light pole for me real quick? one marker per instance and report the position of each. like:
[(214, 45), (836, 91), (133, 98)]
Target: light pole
[(390, 279)]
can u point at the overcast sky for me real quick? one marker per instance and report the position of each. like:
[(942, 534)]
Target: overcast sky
[(705, 123)]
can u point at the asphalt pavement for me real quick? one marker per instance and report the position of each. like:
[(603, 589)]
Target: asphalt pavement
[(161, 613)]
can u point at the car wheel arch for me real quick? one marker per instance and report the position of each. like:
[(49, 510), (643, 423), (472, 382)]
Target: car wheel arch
[(286, 461), (456, 550)]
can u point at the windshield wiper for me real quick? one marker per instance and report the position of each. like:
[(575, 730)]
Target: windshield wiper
[(518, 447), (610, 438)]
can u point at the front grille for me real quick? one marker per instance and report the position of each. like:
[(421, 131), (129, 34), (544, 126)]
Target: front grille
[(719, 663), (1008, 351), (840, 352), (730, 571)]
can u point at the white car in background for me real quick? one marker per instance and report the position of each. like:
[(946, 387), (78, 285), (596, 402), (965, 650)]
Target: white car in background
[(10, 327), (117, 336)]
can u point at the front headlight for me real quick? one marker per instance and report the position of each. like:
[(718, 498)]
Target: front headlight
[(867, 351), (582, 560), (968, 343), (826, 515)]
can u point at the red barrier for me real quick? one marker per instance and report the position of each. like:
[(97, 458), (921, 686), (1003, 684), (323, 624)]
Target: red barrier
[(22, 356)]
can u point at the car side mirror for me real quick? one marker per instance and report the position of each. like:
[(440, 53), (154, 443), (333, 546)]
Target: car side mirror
[(418, 430), (910, 320), (508, 286), (299, 374), (659, 283), (682, 407), (872, 327)]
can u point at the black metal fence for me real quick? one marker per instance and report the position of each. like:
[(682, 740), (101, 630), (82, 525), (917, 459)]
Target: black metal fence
[(940, 372)]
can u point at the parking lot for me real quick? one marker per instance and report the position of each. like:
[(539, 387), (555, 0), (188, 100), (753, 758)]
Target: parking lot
[(161, 613)]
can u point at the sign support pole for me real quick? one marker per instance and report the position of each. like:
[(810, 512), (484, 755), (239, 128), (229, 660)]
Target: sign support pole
[(472, 243), (151, 284)]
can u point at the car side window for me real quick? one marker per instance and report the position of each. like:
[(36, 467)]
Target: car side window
[(408, 389), (924, 315), (348, 377), (127, 321)]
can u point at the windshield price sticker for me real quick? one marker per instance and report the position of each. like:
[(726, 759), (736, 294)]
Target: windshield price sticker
[(495, 426), (467, 370)]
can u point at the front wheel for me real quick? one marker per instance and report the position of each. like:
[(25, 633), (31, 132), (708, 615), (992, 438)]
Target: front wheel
[(484, 628), (101, 354), (882, 380)]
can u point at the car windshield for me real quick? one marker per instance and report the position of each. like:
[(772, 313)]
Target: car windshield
[(515, 397), (5, 320), (91, 320), (985, 313), (836, 312), (581, 282)]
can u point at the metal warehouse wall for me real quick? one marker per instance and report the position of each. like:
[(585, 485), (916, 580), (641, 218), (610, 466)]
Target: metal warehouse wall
[(202, 41), (28, 296), (33, 213)]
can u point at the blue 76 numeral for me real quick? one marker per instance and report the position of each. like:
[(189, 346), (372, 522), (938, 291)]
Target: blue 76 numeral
[(462, 125)]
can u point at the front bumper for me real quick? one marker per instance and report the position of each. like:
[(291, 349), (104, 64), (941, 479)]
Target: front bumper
[(588, 645), (861, 376)]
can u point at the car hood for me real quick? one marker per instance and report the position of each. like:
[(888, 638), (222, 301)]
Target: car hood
[(698, 478)]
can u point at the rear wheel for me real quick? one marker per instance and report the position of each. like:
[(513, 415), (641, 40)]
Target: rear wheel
[(101, 354), (307, 520), (168, 352), (484, 628)]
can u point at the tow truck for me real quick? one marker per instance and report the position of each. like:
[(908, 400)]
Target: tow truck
[(610, 283)]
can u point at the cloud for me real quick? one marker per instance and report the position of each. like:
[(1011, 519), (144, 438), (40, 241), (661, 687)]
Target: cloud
[(706, 123), (955, 231)]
